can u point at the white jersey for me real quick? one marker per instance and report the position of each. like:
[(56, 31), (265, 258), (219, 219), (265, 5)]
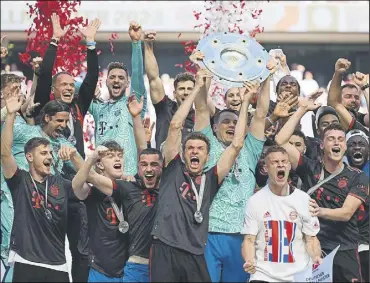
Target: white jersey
[(279, 223)]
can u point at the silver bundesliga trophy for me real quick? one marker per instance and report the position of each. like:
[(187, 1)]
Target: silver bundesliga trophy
[(233, 58)]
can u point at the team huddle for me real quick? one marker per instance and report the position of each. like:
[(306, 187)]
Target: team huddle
[(224, 195)]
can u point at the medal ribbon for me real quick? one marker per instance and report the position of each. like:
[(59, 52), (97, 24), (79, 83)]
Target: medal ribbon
[(46, 193), (118, 211), (199, 197)]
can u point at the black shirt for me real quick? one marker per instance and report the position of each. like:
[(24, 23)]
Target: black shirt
[(174, 223), (164, 110), (139, 205), (108, 248), (363, 223), (33, 236), (332, 194)]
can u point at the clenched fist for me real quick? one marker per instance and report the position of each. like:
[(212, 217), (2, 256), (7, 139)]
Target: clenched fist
[(342, 66)]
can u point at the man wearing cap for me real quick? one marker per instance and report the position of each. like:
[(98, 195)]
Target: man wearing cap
[(358, 157)]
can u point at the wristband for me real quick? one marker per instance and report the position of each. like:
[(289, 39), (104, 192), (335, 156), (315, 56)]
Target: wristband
[(365, 86), (54, 41), (90, 43), (269, 119)]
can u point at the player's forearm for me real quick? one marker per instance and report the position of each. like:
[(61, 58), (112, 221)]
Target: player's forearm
[(263, 101), (151, 65), (248, 249), (139, 133), (313, 247), (241, 126), (183, 111), (286, 132), (82, 177), (7, 135), (334, 96), (337, 214)]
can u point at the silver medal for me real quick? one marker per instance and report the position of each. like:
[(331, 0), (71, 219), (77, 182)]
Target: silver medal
[(123, 227), (48, 214), (198, 216)]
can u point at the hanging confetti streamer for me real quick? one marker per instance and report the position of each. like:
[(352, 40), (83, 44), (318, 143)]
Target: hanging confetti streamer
[(113, 36), (243, 17), (71, 53)]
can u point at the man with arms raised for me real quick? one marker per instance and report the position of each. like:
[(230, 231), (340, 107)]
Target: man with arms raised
[(283, 223), (40, 201), (339, 190), (187, 190), (113, 120), (226, 214)]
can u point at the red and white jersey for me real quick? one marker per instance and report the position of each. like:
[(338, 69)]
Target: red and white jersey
[(279, 222)]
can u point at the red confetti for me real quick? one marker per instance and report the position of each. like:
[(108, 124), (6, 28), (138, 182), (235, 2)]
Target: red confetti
[(113, 36), (197, 15), (24, 57), (70, 53)]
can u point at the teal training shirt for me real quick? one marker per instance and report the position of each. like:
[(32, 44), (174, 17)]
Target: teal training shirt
[(228, 206), (113, 121)]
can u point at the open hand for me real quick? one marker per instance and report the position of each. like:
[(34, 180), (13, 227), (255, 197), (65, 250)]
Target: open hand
[(308, 104), (13, 102), (286, 101), (272, 66), (135, 107), (90, 32), (134, 31), (249, 91), (58, 32), (313, 208), (148, 129)]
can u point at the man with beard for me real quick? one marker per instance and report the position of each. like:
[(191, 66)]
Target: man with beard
[(137, 201), (222, 253), (112, 118), (62, 85), (40, 218), (339, 191), (187, 190), (358, 157), (348, 121), (284, 220)]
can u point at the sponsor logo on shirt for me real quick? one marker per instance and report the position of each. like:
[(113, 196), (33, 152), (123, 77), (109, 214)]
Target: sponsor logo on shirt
[(54, 190), (147, 198), (316, 225), (342, 182)]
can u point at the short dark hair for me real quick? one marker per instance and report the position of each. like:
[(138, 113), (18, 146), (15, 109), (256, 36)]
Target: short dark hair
[(348, 86), (55, 77), (275, 148), (35, 142), (334, 126), (196, 136), (8, 79), (216, 117), (300, 134), (279, 83), (151, 151), (183, 77), (117, 65), (113, 146), (53, 107)]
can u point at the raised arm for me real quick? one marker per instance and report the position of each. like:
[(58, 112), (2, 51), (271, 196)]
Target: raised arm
[(88, 86), (135, 109), (137, 76), (87, 174), (173, 141), (334, 95), (151, 68), (43, 89), (283, 136), (228, 157), (362, 81), (13, 104)]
